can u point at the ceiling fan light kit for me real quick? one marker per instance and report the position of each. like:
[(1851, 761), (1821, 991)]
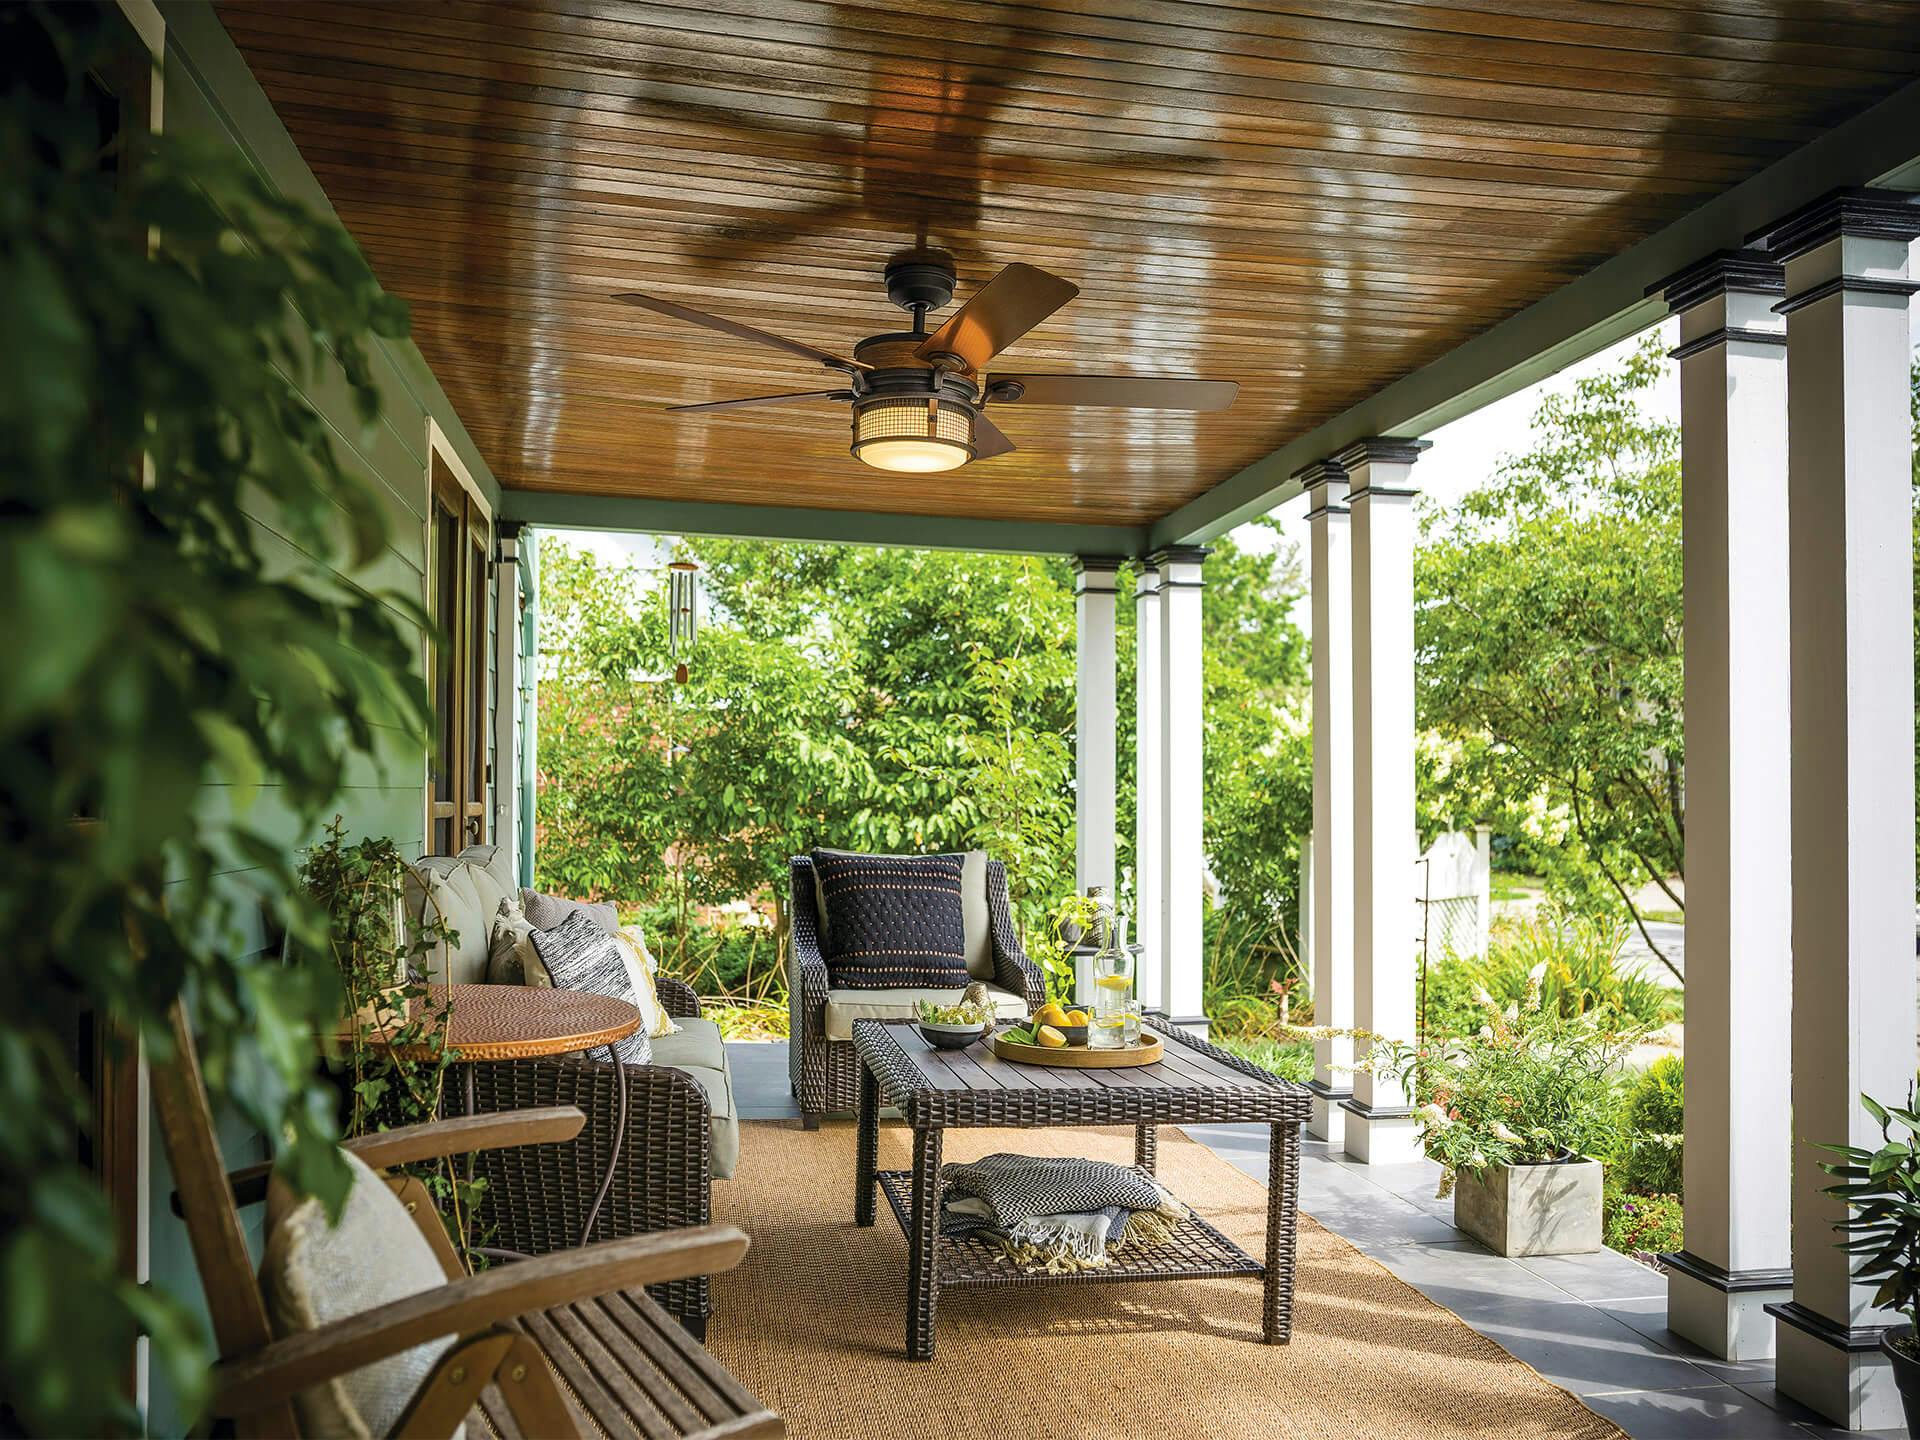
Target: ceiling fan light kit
[(919, 400)]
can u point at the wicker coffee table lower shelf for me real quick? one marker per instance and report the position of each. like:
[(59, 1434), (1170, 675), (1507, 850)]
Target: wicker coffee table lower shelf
[(1196, 1251)]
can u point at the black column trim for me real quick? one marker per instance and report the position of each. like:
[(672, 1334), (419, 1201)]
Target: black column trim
[(1728, 1282), (1750, 272), (1394, 449), (1856, 1340), (1178, 555), (1100, 564), (1848, 284), (1872, 214), (1377, 1112), (1723, 335), (1329, 1092)]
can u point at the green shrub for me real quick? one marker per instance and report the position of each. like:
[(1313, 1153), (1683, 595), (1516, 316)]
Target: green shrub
[(1289, 1059), (1643, 1224), (1582, 972), (1651, 1162)]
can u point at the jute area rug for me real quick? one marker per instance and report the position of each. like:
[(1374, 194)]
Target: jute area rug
[(813, 1321)]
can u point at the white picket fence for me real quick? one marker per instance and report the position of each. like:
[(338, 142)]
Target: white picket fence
[(1451, 893)]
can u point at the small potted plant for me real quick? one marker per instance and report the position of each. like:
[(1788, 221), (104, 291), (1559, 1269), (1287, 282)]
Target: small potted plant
[(1055, 950), (1881, 1188), (1512, 1113), (954, 1027)]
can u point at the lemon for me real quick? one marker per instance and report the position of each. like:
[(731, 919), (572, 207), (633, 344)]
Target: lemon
[(1051, 1038), (1115, 982), (1076, 1017)]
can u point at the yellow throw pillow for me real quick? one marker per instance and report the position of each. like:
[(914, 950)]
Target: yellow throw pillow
[(640, 968)]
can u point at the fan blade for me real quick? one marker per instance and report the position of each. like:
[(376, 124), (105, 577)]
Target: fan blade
[(740, 332), (762, 400), (997, 314), (988, 439), (1128, 392)]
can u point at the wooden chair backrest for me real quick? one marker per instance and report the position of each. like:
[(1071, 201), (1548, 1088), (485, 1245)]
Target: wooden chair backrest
[(240, 1324)]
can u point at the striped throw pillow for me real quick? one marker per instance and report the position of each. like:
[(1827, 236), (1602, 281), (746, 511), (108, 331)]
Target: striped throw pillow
[(897, 920), (579, 955)]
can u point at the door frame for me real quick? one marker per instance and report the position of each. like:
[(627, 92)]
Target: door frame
[(447, 479)]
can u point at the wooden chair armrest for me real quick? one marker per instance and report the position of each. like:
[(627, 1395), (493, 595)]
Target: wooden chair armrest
[(276, 1372), (459, 1135)]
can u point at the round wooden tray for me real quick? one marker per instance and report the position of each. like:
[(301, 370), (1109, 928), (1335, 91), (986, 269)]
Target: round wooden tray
[(1081, 1057)]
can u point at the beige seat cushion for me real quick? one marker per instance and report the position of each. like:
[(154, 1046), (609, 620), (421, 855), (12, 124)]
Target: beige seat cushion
[(846, 1006), (314, 1273), (696, 1047), (976, 920)]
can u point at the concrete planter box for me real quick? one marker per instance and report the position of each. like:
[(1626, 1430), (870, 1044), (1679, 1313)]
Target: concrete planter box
[(1531, 1209)]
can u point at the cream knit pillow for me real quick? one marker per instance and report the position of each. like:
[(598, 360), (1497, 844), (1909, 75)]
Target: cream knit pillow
[(315, 1273)]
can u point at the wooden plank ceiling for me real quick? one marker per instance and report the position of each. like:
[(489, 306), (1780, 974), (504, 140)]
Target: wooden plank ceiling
[(1311, 198)]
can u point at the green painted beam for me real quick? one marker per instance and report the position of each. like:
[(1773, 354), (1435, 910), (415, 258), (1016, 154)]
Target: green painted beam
[(1879, 146), (554, 511)]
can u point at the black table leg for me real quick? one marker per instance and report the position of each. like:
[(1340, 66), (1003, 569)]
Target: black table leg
[(866, 1147), (1146, 1146), (1283, 1203), (923, 1245)]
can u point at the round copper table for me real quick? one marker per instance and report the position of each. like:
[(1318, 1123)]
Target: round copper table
[(518, 1022)]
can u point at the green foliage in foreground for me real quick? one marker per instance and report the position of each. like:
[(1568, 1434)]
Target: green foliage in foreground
[(162, 644), (1881, 1188)]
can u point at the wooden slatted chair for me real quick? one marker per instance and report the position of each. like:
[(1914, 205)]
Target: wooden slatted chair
[(563, 1345)]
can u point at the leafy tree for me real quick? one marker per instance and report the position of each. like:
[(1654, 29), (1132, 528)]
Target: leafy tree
[(1549, 641)]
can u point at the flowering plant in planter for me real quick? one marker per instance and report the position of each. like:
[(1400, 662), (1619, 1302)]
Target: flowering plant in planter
[(1530, 1086)]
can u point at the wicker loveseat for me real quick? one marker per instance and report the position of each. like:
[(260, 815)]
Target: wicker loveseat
[(821, 1059), (680, 1132)]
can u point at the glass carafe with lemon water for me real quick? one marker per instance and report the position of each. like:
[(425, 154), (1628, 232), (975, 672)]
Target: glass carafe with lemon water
[(1115, 1022)]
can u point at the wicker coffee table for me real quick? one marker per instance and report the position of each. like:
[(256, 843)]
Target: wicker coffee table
[(936, 1090)]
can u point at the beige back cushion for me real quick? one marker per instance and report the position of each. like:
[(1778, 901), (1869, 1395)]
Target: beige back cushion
[(315, 1273), (457, 902), (976, 920)]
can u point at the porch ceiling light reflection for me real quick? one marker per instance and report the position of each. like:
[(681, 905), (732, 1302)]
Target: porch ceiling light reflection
[(912, 433)]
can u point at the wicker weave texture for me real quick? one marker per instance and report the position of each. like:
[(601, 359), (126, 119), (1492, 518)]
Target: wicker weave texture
[(826, 1073)]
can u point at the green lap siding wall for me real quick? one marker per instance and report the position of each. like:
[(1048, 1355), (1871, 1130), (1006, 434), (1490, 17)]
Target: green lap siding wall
[(209, 91)]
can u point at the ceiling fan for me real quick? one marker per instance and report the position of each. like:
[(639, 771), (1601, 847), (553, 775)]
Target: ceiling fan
[(919, 400)]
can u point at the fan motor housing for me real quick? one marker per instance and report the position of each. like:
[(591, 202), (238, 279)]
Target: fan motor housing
[(923, 278)]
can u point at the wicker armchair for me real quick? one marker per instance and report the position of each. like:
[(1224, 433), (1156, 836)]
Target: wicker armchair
[(539, 1197), (825, 1072)]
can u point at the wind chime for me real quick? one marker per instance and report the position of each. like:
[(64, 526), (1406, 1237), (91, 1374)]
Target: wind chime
[(683, 614)]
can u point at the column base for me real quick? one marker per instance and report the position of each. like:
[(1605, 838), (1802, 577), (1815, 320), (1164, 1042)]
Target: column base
[(1837, 1371), (1384, 1135), (1328, 1121), (1724, 1312)]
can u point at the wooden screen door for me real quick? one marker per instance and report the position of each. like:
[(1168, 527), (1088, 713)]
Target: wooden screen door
[(458, 546)]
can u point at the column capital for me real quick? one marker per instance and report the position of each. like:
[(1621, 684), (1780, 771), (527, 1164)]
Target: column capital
[(1096, 574), (1865, 213), (1752, 272), (1326, 482), (1178, 555), (1379, 450)]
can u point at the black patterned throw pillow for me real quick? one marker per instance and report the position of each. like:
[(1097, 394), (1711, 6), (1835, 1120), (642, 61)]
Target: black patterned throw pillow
[(896, 920), (581, 956)]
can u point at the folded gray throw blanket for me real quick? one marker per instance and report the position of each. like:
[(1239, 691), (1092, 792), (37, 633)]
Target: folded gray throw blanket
[(1056, 1213)]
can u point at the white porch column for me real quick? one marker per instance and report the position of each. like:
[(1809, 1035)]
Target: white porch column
[(1183, 860), (1733, 419), (1096, 726), (1149, 782), (1331, 959), (1379, 1124), (1850, 578), (504, 823)]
